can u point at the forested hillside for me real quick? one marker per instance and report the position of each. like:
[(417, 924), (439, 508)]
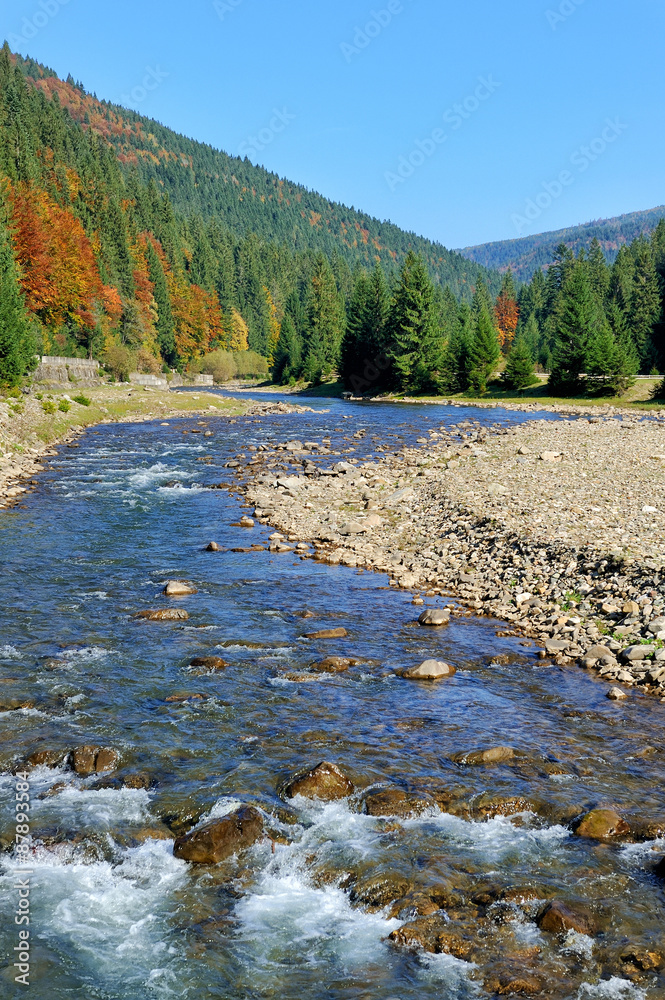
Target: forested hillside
[(525, 256), (125, 241)]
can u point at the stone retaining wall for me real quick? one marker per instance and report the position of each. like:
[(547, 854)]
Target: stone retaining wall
[(64, 371)]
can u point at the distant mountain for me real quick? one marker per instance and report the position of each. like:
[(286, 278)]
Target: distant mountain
[(529, 253), (201, 180)]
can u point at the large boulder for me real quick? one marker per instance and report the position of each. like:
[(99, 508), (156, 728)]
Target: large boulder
[(602, 824), (430, 670), (395, 802), (94, 760), (327, 633), (325, 781), (559, 917), (220, 838), (477, 758), (435, 616), (433, 934), (179, 588)]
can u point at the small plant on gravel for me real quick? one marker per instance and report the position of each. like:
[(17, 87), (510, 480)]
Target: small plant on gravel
[(48, 406), (64, 406), (39, 395), (82, 400)]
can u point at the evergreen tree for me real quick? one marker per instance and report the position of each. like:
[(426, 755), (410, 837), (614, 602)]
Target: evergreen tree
[(518, 373), (165, 321), (288, 355), (484, 352), (646, 305), (577, 321), (611, 366), (599, 275), (17, 349), (455, 365), (416, 345), (325, 323)]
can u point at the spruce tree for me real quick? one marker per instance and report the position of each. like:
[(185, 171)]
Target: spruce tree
[(576, 322), (325, 323), (17, 348), (646, 305), (288, 355), (416, 344), (165, 321), (484, 352), (455, 365), (518, 373), (599, 275)]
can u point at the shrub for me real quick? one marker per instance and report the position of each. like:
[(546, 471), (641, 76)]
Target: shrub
[(119, 362), (251, 365), (48, 406), (659, 390), (82, 400), (64, 406), (220, 364), (147, 363)]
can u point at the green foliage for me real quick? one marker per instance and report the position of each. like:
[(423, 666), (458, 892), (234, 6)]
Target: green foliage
[(249, 364), (416, 348), (82, 400), (484, 350), (220, 364), (17, 347), (519, 370), (119, 363), (64, 406), (576, 323), (48, 406), (288, 354)]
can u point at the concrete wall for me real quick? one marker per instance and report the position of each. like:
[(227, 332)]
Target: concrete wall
[(152, 381), (64, 371)]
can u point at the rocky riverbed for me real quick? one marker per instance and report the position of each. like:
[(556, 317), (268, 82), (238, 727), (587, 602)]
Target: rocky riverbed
[(554, 528)]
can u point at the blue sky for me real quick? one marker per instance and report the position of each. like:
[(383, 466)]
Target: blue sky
[(559, 116)]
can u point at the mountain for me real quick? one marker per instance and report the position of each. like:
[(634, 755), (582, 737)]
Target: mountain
[(202, 180), (527, 254)]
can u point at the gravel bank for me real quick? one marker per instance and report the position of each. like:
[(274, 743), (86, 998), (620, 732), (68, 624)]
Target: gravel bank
[(557, 528)]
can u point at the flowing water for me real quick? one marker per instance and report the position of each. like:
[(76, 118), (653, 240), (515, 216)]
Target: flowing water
[(115, 916)]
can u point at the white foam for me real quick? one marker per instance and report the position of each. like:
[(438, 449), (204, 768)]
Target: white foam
[(453, 972), (222, 807), (85, 653), (105, 808), (611, 989), (577, 944), (496, 837), (639, 854), (9, 653)]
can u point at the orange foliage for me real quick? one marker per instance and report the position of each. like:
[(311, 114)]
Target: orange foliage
[(197, 315), (507, 314)]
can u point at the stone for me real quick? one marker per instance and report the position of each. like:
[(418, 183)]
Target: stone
[(327, 633), (212, 547), (598, 651), (430, 670), (334, 665), (47, 758), (551, 456), (246, 522), (556, 645), (602, 824), (394, 802), (616, 694), (435, 616), (353, 528), (656, 625), (179, 588), (221, 838), (94, 760), (434, 935), (475, 758), (631, 608), (559, 918), (379, 891), (209, 663), (643, 959), (163, 615), (631, 653), (325, 781)]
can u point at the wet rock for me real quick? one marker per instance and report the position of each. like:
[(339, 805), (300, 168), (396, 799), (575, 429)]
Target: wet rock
[(179, 588), (512, 982), (433, 934), (430, 670), (325, 781), (94, 760), (327, 633), (334, 665), (212, 547), (395, 802), (140, 780), (16, 704), (477, 758), (435, 616), (47, 758), (643, 959), (209, 663), (221, 838), (414, 903), (616, 694), (379, 891), (659, 870), (246, 522), (163, 615), (559, 917), (602, 824)]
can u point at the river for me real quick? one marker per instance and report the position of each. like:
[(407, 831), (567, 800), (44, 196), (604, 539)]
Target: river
[(114, 916)]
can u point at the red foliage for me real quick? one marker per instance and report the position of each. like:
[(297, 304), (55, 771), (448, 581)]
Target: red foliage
[(507, 314)]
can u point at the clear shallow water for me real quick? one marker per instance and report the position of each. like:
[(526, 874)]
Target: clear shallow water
[(115, 916)]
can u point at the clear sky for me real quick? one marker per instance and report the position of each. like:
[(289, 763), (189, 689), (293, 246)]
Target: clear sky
[(355, 107)]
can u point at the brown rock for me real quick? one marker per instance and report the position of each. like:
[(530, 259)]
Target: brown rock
[(380, 890), (328, 633), (47, 758), (641, 958), (163, 615), (179, 588), (212, 547), (394, 802), (325, 781), (435, 616), (94, 760), (476, 758), (209, 662), (511, 982), (221, 838), (334, 665), (602, 824), (559, 917), (432, 934)]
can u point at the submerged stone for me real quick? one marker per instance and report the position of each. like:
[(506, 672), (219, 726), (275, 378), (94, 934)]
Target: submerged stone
[(325, 781), (221, 838), (559, 917), (163, 615), (602, 824)]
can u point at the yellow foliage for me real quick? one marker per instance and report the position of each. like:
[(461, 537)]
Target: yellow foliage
[(238, 332)]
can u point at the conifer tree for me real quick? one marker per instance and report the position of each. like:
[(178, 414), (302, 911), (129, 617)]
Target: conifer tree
[(17, 348), (519, 370), (363, 356), (325, 323), (646, 305), (288, 355), (165, 321), (576, 322), (599, 275), (484, 351), (416, 345)]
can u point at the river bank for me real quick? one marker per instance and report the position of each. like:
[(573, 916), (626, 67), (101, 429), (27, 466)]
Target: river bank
[(553, 527)]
